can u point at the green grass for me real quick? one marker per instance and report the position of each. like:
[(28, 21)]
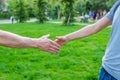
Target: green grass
[(77, 60)]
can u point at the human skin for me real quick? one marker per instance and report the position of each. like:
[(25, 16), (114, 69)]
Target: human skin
[(16, 41), (84, 32)]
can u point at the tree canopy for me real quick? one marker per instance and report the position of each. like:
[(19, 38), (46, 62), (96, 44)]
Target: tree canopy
[(56, 9)]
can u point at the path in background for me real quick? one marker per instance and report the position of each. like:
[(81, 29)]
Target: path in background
[(54, 22), (77, 23), (33, 20), (7, 21)]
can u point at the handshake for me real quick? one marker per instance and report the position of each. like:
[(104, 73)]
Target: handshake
[(43, 43), (48, 45)]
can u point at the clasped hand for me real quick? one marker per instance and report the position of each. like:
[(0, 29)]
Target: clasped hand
[(48, 45)]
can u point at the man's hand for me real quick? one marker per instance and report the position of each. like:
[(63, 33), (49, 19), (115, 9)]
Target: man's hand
[(15, 41), (47, 45), (61, 40)]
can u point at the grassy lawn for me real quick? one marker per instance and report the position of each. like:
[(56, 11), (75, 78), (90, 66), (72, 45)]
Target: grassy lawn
[(77, 60)]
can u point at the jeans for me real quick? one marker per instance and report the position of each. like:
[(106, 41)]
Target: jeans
[(104, 75)]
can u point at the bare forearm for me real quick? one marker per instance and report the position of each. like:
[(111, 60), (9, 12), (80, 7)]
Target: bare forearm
[(43, 43), (16, 41), (90, 29), (84, 32)]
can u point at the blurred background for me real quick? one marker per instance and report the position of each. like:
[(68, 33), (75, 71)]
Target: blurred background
[(77, 60), (67, 10)]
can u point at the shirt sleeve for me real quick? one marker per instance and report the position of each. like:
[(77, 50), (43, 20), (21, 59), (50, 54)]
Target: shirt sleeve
[(111, 13)]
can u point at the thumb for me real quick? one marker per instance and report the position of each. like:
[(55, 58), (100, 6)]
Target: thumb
[(46, 36), (60, 37)]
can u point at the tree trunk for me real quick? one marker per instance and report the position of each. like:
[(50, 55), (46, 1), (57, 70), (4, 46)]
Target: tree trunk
[(58, 14), (68, 22), (1, 5)]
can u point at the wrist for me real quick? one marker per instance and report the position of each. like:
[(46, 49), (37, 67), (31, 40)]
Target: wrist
[(34, 43), (67, 39), (30, 42)]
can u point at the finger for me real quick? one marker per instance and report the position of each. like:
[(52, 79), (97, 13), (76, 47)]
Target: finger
[(55, 48), (50, 50), (56, 40), (54, 43), (60, 42), (59, 37)]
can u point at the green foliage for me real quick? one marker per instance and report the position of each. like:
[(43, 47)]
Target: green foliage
[(51, 12), (79, 7), (20, 11), (28, 4), (30, 7), (54, 12), (68, 11), (41, 10), (1, 5), (96, 5), (110, 3), (99, 5), (93, 5), (77, 60), (30, 12), (5, 15), (55, 9)]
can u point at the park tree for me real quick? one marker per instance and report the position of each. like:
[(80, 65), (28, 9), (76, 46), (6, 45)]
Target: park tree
[(84, 6), (1, 5), (96, 5), (110, 3), (40, 10), (54, 9), (30, 7), (58, 8), (80, 7), (19, 10), (68, 11)]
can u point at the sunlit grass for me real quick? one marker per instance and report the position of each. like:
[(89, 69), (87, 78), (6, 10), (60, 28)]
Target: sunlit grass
[(77, 60)]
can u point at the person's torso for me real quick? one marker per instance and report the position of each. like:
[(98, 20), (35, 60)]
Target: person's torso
[(111, 60)]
